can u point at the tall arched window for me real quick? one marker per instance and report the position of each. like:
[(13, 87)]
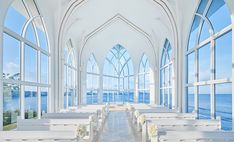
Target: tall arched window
[(209, 62), (70, 79), (92, 81), (144, 81), (118, 79), (26, 63), (166, 76)]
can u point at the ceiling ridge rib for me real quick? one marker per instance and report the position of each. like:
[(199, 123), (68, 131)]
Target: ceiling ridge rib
[(116, 18)]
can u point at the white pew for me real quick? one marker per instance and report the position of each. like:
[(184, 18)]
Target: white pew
[(193, 136), (174, 116), (58, 125), (169, 115), (180, 125), (50, 124), (36, 136), (135, 113), (101, 115), (69, 115)]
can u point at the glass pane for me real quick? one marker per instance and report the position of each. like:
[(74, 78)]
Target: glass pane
[(44, 69), (65, 75), (219, 15), (30, 63), (204, 63), (147, 81), (11, 105), (44, 100), (223, 102), (147, 97), (140, 96), (204, 32), (42, 36), (141, 82), (202, 6), (89, 97), (70, 97), (161, 96), (31, 102), (170, 75), (95, 97), (170, 98), (30, 34), (191, 68), (65, 97), (16, 17), (166, 97), (194, 32), (11, 58), (223, 56), (204, 102), (131, 82), (104, 97), (131, 96), (190, 97)]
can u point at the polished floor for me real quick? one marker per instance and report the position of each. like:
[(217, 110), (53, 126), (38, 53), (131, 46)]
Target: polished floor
[(118, 129)]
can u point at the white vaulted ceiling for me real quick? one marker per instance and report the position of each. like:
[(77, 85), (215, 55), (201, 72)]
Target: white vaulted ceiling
[(78, 18), (92, 14)]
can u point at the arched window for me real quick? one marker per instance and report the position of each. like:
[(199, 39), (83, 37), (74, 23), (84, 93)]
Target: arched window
[(166, 76), (209, 62), (70, 78), (26, 63), (92, 81), (144, 81), (118, 79)]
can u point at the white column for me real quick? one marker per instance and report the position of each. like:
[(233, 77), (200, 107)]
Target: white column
[(136, 80), (184, 69), (100, 91), (22, 78), (196, 91), (38, 88), (1, 81), (212, 77), (233, 74), (152, 87), (57, 79)]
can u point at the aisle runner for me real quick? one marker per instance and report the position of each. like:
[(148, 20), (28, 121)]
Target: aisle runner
[(118, 129)]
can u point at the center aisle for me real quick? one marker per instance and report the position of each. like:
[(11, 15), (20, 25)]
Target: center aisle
[(118, 129)]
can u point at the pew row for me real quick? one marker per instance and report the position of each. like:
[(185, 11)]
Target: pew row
[(36, 136), (165, 125), (164, 116), (191, 136), (90, 126)]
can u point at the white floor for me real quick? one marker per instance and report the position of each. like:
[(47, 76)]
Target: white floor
[(118, 129)]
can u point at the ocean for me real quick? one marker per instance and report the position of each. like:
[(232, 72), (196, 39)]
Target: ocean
[(223, 104)]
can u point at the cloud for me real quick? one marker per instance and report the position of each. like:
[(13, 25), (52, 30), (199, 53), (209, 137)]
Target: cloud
[(11, 68)]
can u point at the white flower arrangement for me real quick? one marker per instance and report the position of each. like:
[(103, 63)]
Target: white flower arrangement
[(81, 131), (129, 106), (142, 119), (104, 109), (152, 131), (92, 119), (137, 113)]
